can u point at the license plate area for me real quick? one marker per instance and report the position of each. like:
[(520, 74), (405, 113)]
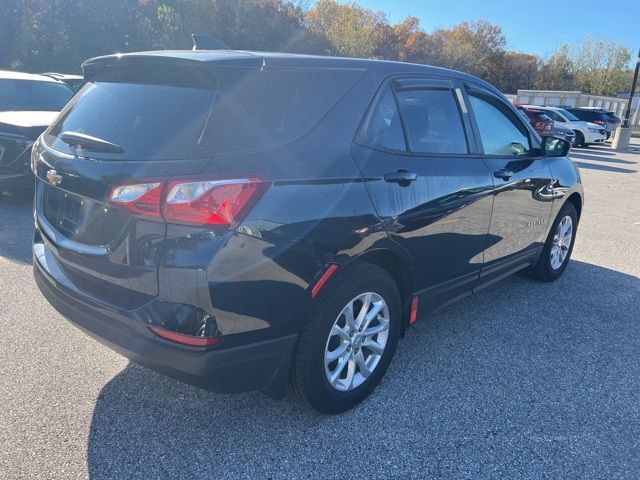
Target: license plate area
[(82, 219), (63, 210), (70, 220)]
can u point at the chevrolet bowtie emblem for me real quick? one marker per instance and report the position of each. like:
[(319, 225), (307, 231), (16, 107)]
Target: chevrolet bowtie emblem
[(53, 177)]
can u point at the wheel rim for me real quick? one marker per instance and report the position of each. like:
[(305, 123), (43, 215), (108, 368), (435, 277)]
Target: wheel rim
[(561, 242), (356, 341)]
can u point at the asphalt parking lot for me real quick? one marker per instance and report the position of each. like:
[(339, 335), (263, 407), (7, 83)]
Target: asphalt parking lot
[(524, 380)]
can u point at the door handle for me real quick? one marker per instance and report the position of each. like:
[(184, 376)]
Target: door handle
[(503, 173), (401, 177)]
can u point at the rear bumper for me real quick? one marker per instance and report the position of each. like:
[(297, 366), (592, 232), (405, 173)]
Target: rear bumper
[(260, 365)]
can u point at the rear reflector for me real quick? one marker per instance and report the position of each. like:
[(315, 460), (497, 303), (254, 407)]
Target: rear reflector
[(185, 339), (413, 316), (323, 279), (215, 202)]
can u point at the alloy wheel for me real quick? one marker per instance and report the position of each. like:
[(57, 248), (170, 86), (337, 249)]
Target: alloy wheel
[(561, 242), (356, 341)]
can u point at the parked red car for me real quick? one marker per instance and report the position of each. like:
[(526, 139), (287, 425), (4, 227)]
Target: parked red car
[(539, 120)]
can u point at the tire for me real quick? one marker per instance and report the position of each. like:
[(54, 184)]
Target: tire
[(578, 139), (547, 268), (310, 376)]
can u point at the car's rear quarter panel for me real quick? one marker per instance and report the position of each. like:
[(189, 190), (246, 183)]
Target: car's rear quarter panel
[(316, 211)]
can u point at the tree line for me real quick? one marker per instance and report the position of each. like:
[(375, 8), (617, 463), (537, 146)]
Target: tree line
[(57, 35)]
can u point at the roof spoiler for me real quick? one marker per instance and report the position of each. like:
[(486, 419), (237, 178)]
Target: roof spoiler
[(207, 42)]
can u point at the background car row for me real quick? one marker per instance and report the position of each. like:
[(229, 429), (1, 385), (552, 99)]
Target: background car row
[(599, 116), (28, 104), (562, 123)]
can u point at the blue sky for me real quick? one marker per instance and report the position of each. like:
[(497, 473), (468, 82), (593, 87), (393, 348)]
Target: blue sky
[(530, 26)]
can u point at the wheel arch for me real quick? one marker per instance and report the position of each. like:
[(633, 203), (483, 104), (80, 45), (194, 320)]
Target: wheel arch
[(576, 199), (398, 267), (580, 137)]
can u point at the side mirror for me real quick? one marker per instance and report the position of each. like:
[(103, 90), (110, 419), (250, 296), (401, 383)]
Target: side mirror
[(555, 147)]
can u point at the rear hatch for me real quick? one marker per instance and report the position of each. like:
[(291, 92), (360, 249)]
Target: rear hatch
[(139, 118)]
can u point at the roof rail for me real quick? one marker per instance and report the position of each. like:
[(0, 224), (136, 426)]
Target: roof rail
[(207, 42)]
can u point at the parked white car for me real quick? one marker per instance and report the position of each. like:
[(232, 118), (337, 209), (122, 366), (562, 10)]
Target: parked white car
[(587, 133)]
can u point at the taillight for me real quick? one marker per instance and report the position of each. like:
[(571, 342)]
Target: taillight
[(210, 202), (542, 125), (216, 202), (141, 199)]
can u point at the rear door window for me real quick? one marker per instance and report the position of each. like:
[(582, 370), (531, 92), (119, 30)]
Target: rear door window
[(566, 114), (585, 115), (432, 121)]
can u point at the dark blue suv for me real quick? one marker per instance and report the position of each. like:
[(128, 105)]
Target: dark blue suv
[(247, 221)]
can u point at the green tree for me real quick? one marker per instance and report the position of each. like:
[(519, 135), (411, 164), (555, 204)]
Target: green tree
[(348, 28), (474, 47), (557, 72), (412, 42), (57, 35), (600, 66), (514, 70)]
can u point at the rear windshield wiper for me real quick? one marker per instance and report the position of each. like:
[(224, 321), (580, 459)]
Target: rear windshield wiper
[(87, 142)]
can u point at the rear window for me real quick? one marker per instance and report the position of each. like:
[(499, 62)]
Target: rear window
[(155, 111), (538, 115), (33, 95), (570, 116), (285, 104), (152, 115)]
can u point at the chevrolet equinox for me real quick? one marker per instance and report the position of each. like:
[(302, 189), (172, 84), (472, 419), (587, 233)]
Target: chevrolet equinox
[(251, 221)]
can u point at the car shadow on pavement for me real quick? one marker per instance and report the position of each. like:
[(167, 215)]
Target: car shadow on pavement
[(599, 158), (604, 168), (607, 151), (532, 377), (633, 149), (16, 228)]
